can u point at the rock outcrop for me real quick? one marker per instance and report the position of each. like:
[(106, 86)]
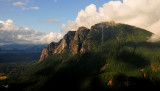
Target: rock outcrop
[(84, 40), (48, 50), (80, 36), (65, 43), (75, 41)]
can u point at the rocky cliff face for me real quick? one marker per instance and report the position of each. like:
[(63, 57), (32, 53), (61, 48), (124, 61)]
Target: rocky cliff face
[(48, 50), (75, 41), (80, 36), (84, 40), (95, 37), (65, 43)]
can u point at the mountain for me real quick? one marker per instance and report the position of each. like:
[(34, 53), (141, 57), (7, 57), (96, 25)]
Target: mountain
[(72, 40), (85, 39), (21, 47), (13, 53), (108, 56)]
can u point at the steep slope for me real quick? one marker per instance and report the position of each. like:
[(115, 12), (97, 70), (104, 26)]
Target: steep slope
[(48, 50), (72, 41), (84, 40), (65, 43), (56, 48), (111, 31), (78, 40)]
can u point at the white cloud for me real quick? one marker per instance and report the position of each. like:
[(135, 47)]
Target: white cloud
[(25, 5), (154, 38), (28, 8), (140, 13), (50, 21), (51, 37), (19, 3), (9, 25), (12, 33), (34, 8), (64, 29)]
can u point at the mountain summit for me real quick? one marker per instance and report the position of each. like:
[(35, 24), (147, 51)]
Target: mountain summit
[(84, 40)]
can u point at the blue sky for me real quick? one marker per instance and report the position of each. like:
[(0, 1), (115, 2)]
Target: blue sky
[(61, 10), (41, 21)]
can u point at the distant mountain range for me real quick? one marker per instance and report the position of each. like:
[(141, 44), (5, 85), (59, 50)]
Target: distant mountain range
[(21, 47)]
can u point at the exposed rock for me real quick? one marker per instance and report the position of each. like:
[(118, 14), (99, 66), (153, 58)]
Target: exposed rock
[(78, 40), (75, 41), (43, 55), (95, 34), (104, 67), (155, 67), (85, 47), (109, 83), (142, 70), (66, 42), (83, 40), (143, 73), (3, 77), (48, 50)]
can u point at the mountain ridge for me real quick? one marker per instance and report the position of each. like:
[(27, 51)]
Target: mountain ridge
[(84, 39), (21, 47)]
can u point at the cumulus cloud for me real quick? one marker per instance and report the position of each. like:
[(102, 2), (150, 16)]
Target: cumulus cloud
[(19, 3), (51, 37), (25, 5), (50, 21), (140, 13), (12, 33)]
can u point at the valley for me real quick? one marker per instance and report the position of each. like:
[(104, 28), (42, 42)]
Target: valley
[(15, 59)]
